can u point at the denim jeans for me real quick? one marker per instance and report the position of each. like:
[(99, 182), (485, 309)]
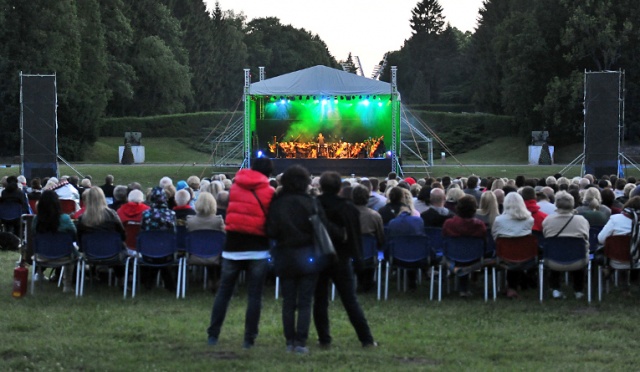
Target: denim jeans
[(341, 273), (297, 294), (256, 271)]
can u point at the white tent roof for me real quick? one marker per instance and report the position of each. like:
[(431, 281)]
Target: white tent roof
[(319, 80)]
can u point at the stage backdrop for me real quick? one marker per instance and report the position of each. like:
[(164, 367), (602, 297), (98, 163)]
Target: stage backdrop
[(39, 126)]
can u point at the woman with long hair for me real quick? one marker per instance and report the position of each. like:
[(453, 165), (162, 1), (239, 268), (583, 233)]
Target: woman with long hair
[(514, 222), (488, 209), (50, 219), (97, 215)]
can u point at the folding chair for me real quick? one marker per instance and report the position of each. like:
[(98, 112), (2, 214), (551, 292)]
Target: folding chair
[(101, 248), (67, 206), (436, 246), (10, 213), (370, 257), (54, 250), (201, 246), (406, 252), (155, 249), (516, 254), (469, 252), (564, 254), (131, 229), (617, 256)]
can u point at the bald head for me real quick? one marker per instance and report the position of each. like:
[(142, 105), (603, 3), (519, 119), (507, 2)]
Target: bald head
[(437, 197), (499, 195)]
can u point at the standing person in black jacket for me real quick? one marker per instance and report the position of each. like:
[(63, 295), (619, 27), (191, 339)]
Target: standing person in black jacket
[(288, 223), (348, 247)]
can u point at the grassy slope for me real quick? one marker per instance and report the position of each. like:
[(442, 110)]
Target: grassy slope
[(157, 150)]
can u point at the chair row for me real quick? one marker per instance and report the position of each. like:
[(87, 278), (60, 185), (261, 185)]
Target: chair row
[(155, 249)]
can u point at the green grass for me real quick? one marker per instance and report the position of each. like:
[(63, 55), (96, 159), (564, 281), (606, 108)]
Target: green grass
[(157, 150), (101, 331)]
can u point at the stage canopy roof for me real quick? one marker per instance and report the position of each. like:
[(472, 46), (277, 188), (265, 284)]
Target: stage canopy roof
[(319, 80)]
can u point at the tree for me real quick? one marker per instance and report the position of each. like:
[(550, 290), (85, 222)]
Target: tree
[(160, 60), (118, 42), (87, 98), (427, 18), (350, 65)]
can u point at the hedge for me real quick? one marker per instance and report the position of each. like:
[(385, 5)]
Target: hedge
[(179, 125), (464, 132)]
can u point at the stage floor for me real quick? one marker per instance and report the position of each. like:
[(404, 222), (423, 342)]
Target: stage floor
[(378, 167)]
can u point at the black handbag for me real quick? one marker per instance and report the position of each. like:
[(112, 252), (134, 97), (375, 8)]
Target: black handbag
[(321, 239)]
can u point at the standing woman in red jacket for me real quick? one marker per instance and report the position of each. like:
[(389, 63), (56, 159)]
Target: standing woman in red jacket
[(246, 248)]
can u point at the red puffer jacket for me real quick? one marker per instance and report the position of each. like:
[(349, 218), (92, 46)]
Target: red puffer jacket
[(537, 215), (244, 214)]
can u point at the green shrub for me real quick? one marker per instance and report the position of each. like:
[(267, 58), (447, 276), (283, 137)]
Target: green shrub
[(197, 124)]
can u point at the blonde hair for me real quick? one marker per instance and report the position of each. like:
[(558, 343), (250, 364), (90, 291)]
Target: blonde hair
[(96, 205), (407, 199), (193, 182), (206, 205), (454, 194), (489, 206)]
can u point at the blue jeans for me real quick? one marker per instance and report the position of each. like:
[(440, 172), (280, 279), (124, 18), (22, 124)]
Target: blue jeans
[(256, 271), (297, 293), (341, 273)]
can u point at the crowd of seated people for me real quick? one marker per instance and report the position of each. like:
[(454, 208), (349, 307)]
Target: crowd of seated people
[(608, 203)]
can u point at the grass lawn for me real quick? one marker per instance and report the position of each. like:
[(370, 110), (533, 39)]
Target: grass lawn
[(101, 331)]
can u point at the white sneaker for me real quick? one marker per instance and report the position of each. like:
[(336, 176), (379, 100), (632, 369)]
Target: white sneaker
[(37, 277), (557, 294), (579, 295)]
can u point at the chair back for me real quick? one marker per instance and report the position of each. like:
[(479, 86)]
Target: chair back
[(436, 242), (53, 246), (464, 249), (409, 250), (205, 243), (67, 206), (617, 247), (369, 247), (593, 238), (564, 253), (156, 244), (33, 203), (517, 250), (101, 245), (490, 247), (181, 234), (10, 211), (131, 229)]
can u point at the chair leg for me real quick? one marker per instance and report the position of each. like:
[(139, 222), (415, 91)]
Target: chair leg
[(278, 286), (439, 283), (589, 282), (33, 276), (486, 284), (386, 283), (379, 283), (134, 283), (493, 276), (431, 284), (179, 279), (541, 279), (61, 276), (333, 291), (599, 283), (126, 278), (80, 268)]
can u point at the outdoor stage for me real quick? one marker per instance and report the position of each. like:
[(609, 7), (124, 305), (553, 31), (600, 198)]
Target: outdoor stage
[(378, 167)]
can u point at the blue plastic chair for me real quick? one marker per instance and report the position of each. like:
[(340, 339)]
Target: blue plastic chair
[(52, 250), (154, 245), (103, 248), (468, 251), (371, 257), (203, 244), (564, 252), (436, 241), (407, 252), (10, 213)]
